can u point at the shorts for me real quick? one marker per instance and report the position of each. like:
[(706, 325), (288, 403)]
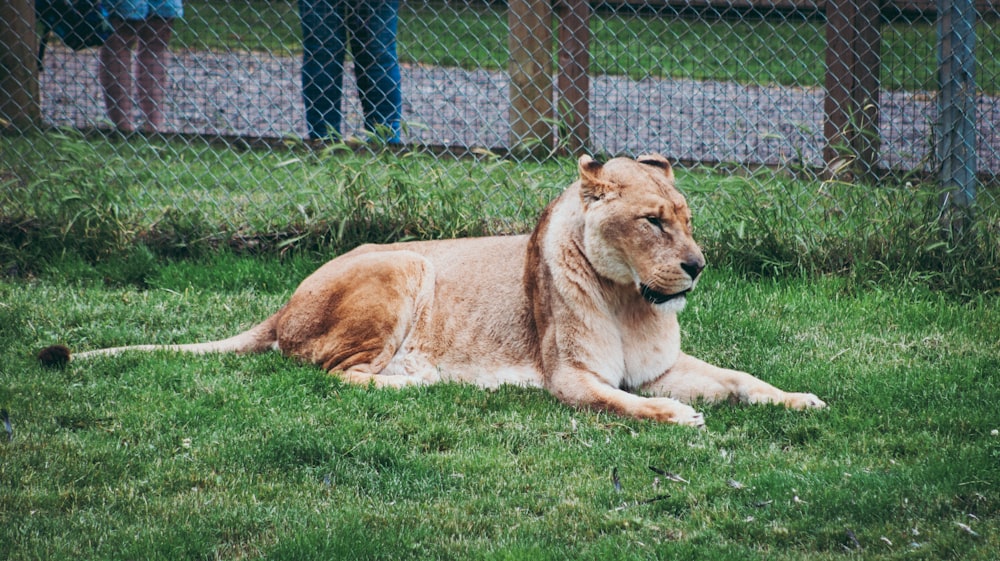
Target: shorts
[(141, 9)]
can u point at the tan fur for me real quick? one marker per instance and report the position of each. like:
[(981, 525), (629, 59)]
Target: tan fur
[(563, 308)]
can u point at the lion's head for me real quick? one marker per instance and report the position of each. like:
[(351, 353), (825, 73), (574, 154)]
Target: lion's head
[(637, 228)]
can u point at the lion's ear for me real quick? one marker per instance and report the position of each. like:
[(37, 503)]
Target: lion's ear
[(591, 185), (657, 161), (589, 167)]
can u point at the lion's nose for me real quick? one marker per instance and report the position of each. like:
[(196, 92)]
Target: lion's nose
[(693, 267)]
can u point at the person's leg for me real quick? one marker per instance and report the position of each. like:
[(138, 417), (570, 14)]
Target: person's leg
[(151, 71), (376, 64), (323, 37), (116, 74)]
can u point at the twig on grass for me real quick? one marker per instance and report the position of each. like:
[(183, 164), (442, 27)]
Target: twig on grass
[(6, 425), (967, 529), (671, 476)]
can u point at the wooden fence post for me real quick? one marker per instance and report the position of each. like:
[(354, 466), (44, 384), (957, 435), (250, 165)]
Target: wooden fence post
[(530, 71), (20, 107), (851, 105), (573, 99)]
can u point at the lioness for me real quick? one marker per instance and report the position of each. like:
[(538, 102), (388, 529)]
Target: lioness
[(585, 306)]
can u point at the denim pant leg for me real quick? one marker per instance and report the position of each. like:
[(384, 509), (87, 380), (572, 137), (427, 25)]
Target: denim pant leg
[(373, 27), (323, 46)]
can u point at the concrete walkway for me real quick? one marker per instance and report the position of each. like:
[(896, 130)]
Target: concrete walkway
[(257, 95)]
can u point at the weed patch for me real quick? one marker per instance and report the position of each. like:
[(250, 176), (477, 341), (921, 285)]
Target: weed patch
[(87, 202), (870, 235)]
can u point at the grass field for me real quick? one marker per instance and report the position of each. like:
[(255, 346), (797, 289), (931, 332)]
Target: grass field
[(851, 293), (222, 457)]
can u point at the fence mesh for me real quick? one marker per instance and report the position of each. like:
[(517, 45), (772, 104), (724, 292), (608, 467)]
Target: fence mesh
[(745, 83)]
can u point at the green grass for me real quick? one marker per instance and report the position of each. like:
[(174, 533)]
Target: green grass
[(164, 457), (145, 199), (254, 25), (850, 292), (187, 197), (475, 37)]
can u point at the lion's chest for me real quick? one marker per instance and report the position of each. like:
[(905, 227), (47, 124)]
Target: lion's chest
[(649, 349)]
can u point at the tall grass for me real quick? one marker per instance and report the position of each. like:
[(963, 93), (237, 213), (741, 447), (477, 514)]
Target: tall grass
[(75, 204), (97, 198), (892, 232), (84, 200)]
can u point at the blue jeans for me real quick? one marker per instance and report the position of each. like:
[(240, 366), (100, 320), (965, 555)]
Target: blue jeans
[(372, 34), (135, 10)]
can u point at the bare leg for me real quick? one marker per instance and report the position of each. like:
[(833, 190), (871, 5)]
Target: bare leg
[(116, 74), (691, 379), (151, 72)]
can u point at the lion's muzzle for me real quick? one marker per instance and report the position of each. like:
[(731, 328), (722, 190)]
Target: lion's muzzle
[(693, 267), (656, 297)]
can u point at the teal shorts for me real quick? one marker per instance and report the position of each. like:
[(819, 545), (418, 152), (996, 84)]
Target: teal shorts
[(142, 9)]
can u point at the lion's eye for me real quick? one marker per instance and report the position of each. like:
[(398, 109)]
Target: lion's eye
[(655, 221)]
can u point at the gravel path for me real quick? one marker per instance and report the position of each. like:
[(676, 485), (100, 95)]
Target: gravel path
[(257, 95)]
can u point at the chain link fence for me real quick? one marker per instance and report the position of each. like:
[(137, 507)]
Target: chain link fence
[(805, 87)]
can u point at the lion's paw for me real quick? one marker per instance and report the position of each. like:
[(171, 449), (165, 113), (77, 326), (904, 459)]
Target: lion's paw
[(696, 419), (804, 401), (670, 410), (399, 382)]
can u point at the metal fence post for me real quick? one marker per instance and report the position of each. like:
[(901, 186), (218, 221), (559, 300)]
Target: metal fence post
[(956, 138)]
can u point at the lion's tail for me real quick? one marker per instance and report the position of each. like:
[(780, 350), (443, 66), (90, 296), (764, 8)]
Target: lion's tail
[(262, 337)]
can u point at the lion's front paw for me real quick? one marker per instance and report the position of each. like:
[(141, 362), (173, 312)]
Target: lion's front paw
[(695, 419), (669, 410), (400, 382), (804, 401)]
